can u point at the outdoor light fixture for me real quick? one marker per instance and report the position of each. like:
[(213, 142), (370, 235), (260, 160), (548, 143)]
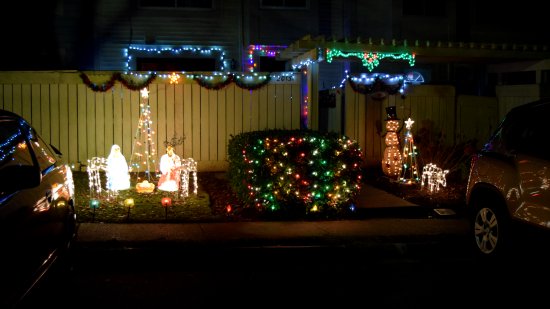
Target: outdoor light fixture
[(94, 203), (166, 202), (129, 202)]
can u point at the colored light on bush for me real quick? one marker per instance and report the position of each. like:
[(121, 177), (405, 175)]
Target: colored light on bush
[(94, 203), (166, 202), (228, 208)]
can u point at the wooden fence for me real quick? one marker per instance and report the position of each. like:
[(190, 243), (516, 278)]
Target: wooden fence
[(432, 107), (428, 106), (83, 123)]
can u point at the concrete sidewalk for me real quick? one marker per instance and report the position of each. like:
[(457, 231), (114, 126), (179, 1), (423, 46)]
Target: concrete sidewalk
[(371, 197), (368, 229)]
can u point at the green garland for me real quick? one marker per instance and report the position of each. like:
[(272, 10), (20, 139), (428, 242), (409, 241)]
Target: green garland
[(243, 85), (203, 82), (378, 85), (111, 82), (231, 78), (213, 86)]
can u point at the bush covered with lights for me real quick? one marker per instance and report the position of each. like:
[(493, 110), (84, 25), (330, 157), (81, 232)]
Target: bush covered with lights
[(295, 171)]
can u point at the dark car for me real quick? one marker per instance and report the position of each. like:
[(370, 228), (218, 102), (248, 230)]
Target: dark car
[(508, 190), (37, 215)]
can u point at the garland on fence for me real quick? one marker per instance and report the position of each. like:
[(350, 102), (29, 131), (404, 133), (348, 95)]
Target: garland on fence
[(132, 85), (378, 85), (240, 81), (128, 83), (204, 81)]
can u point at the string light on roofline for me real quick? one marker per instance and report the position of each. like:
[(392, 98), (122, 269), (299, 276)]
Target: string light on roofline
[(261, 50), (369, 59), (205, 51)]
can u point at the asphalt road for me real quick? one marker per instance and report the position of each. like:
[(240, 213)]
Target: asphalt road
[(440, 274)]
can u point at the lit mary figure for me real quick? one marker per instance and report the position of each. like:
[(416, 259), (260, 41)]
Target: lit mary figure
[(118, 177)]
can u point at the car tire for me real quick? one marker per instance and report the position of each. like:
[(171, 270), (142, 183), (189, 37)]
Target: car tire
[(490, 227)]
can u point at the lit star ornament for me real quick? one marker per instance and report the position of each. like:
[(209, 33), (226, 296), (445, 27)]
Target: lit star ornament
[(174, 78), (144, 93), (409, 123)]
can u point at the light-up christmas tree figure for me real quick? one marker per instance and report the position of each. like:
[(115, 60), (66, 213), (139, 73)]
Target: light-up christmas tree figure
[(392, 162), (410, 166), (143, 151)]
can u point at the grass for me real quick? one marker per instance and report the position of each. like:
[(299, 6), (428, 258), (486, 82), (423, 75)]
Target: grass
[(147, 206), (215, 197)]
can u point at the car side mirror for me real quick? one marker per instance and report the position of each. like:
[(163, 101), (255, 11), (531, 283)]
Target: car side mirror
[(18, 177)]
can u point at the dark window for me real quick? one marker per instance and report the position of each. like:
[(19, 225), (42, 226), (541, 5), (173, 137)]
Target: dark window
[(431, 8), (525, 132), (284, 4), (13, 148), (199, 4), (157, 3), (519, 78), (43, 153), (176, 64), (14, 151), (545, 77), (270, 64), (191, 4)]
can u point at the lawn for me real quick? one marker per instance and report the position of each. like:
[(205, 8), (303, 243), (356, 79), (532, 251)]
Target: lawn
[(216, 202), (147, 207)]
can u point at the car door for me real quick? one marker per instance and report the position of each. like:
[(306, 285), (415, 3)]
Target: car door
[(532, 156), (32, 226), (20, 257)]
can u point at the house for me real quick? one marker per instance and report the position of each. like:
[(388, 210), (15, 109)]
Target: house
[(475, 60)]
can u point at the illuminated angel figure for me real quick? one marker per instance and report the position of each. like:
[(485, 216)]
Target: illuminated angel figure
[(118, 177)]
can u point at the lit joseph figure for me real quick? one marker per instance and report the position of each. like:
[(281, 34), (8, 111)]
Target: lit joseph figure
[(410, 166), (392, 161)]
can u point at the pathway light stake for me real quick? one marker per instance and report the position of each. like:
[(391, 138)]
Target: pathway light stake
[(94, 204), (166, 202), (129, 203)]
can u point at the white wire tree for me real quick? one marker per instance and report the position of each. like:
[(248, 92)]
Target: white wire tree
[(409, 171), (144, 158)]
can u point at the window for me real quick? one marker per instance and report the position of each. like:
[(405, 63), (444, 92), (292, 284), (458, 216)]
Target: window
[(519, 78), (14, 152), (284, 4), (428, 8), (525, 133), (44, 154), (270, 64), (13, 148), (176, 64), (189, 4), (545, 77)]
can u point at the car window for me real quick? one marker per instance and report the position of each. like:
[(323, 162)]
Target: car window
[(44, 154), (14, 150), (523, 133)]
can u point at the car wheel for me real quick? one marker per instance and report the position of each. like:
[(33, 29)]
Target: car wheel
[(490, 227)]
